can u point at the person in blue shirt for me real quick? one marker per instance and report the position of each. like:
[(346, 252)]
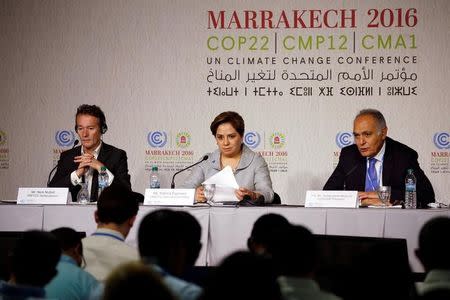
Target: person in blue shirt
[(71, 282)]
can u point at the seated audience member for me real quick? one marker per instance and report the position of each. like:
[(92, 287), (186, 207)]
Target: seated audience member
[(380, 274), (262, 228), (84, 162), (243, 275), (249, 168), (34, 261), (116, 212), (434, 254), (135, 280), (169, 241), (294, 253), (71, 282), (376, 160)]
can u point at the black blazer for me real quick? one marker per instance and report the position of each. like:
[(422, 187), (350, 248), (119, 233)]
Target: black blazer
[(350, 173), (113, 158)]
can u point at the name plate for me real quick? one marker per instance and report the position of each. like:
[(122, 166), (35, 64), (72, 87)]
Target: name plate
[(42, 195), (173, 197), (332, 199)]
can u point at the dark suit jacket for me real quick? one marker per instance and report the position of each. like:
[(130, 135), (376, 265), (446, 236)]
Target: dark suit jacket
[(350, 173), (113, 158)]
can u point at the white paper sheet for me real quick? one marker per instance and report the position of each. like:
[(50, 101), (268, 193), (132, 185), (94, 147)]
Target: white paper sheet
[(226, 185)]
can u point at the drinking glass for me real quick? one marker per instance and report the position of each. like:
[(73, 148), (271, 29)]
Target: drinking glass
[(208, 191), (83, 194), (384, 193)]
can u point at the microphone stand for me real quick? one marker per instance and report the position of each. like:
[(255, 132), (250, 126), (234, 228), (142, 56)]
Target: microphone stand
[(54, 168), (172, 185)]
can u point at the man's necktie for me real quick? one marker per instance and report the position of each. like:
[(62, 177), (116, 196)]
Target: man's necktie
[(371, 176)]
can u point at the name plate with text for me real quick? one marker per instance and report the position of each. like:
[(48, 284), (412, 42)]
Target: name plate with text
[(332, 199), (174, 197), (42, 195)]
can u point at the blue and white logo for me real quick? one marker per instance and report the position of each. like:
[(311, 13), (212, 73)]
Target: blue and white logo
[(157, 139), (65, 138), (442, 140), (344, 139), (252, 139)]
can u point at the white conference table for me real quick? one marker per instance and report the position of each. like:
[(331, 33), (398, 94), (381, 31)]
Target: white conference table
[(226, 229)]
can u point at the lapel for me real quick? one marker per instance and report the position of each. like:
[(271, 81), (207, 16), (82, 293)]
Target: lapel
[(360, 173), (388, 162)]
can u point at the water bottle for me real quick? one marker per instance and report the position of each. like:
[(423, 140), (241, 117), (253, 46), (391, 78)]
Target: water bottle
[(410, 190), (103, 180), (154, 178)]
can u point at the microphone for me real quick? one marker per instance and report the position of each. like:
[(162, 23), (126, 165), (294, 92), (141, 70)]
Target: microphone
[(76, 142), (172, 185)]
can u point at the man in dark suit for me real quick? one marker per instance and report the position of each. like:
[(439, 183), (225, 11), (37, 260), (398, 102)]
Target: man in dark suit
[(82, 163), (375, 160)]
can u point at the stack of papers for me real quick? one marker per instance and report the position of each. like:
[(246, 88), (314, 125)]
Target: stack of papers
[(226, 185)]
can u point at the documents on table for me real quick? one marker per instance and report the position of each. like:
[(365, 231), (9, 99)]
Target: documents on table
[(226, 185)]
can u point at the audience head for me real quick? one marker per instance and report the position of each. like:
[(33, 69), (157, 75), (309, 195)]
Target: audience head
[(70, 242), (117, 204), (390, 272), (34, 258), (243, 275), (192, 232), (135, 280), (171, 239), (434, 244), (262, 228), (293, 250)]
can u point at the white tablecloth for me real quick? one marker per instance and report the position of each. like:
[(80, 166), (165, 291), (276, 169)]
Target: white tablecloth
[(226, 229)]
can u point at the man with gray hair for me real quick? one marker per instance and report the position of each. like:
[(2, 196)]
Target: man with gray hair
[(376, 160)]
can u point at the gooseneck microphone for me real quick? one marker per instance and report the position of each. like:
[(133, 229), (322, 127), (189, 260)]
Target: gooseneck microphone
[(172, 185), (76, 142)]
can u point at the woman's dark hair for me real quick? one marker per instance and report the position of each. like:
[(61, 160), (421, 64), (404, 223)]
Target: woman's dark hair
[(228, 117)]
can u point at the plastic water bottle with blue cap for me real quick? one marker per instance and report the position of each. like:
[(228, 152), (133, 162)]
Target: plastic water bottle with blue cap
[(103, 180), (410, 190)]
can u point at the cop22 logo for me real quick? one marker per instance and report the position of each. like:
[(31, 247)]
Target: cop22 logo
[(277, 140), (442, 140), (183, 139), (252, 139), (344, 138), (157, 139), (64, 138)]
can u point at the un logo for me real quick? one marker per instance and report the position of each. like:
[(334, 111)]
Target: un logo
[(157, 139), (441, 140), (344, 138), (65, 138), (252, 139)]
